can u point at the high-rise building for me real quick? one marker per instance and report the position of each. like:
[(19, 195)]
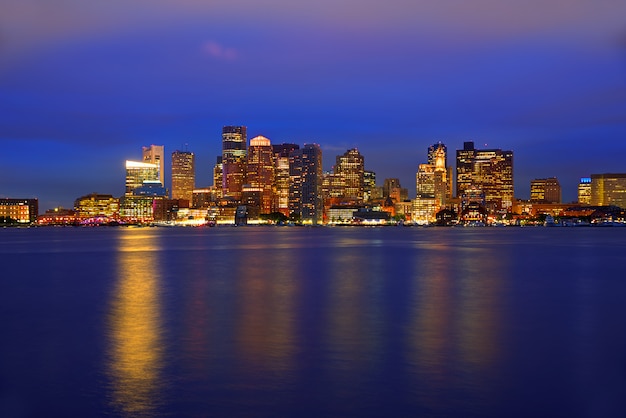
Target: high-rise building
[(218, 177), (369, 181), (438, 156), (183, 175), (608, 189), (234, 145), (281, 176), (305, 197), (260, 173), (137, 173), (490, 171), (351, 166), (545, 190), (154, 155), (425, 204), (584, 191), (333, 189)]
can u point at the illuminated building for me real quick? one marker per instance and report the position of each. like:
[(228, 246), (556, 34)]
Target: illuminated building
[(137, 208), (584, 191), (608, 190), (425, 205), (305, 192), (333, 187), (218, 176), (545, 190), (96, 205), (342, 214), (169, 209), (203, 198), (58, 216), (137, 173), (18, 210), (260, 173), (473, 206), (234, 144), (154, 155), (351, 166), (150, 188), (281, 176), (183, 175), (432, 185), (489, 170), (369, 182), (438, 156)]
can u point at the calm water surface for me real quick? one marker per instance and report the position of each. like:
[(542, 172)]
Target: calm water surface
[(278, 322)]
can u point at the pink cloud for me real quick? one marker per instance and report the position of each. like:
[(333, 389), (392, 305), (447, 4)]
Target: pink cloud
[(218, 51)]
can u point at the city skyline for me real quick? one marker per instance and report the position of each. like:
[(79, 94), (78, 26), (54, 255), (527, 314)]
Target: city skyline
[(163, 167), (84, 86)]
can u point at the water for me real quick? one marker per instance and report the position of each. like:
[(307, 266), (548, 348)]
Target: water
[(275, 322)]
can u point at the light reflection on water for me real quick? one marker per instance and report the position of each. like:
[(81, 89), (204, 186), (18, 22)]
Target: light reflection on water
[(136, 351), (267, 286), (325, 322)]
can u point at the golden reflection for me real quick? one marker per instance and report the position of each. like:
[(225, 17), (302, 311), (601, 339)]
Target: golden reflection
[(431, 320), (136, 352), (354, 320), (479, 310), (455, 323), (267, 311)]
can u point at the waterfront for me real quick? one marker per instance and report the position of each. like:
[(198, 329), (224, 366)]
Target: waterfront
[(313, 322)]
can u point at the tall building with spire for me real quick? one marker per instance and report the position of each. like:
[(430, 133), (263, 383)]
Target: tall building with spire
[(490, 171), (234, 146), (438, 157), (154, 154), (183, 175)]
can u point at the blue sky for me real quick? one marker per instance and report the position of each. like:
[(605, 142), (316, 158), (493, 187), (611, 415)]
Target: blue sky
[(84, 85)]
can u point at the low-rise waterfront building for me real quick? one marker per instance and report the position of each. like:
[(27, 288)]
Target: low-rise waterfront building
[(21, 211)]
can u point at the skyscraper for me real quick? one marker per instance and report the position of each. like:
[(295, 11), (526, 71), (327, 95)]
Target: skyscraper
[(351, 166), (369, 182), (281, 176), (425, 205), (234, 144), (183, 175), (154, 155), (260, 172), (584, 191), (490, 171), (305, 197), (137, 173), (438, 157), (218, 177)]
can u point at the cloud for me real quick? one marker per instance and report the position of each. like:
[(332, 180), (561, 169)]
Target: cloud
[(215, 50)]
